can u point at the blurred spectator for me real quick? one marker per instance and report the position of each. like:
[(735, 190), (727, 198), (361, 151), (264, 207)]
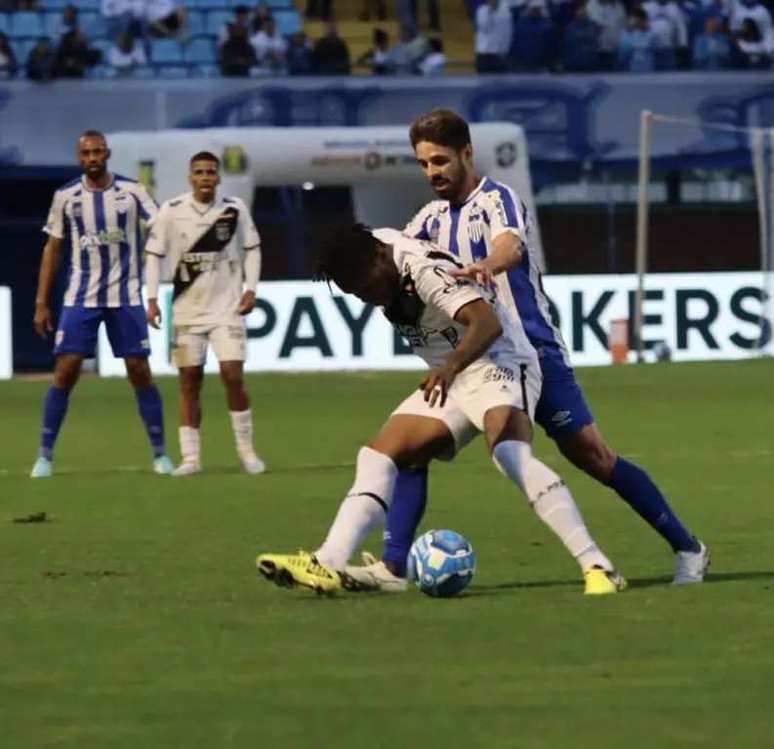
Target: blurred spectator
[(241, 20), (124, 56), (165, 18), (261, 17), (299, 55), (698, 11), (670, 32), (435, 62), (635, 50), (408, 10), (534, 43), (123, 16), (330, 54), (408, 52), (237, 56), (322, 9), (754, 10), (270, 47), (581, 43), (711, 48), (379, 58), (41, 61), (494, 28), (73, 55), (377, 7), (68, 21), (8, 64), (752, 48), (610, 16), (561, 12)]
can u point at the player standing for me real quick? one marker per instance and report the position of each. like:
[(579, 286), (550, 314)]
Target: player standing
[(214, 249), (101, 212), (486, 226), (484, 378)]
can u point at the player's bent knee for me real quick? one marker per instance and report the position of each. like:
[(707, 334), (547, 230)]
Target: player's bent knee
[(375, 476)]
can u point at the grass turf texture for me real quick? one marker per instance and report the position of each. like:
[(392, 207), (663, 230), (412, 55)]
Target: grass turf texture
[(135, 616)]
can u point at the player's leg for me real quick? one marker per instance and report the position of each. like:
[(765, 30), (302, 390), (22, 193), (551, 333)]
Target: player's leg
[(127, 331), (190, 379), (404, 440), (75, 339), (229, 342)]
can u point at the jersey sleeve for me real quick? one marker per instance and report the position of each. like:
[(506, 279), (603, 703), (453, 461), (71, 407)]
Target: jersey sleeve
[(251, 240), (438, 289), (146, 205), (156, 242), (506, 213), (55, 223), (417, 227)]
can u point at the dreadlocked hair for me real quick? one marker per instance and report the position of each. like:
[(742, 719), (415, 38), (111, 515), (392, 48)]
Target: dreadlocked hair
[(343, 250)]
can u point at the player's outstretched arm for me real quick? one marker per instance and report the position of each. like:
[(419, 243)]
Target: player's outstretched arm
[(152, 281), (506, 254), (482, 328), (49, 264)]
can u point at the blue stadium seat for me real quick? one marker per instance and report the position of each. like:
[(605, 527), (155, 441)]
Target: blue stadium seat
[(206, 71), (282, 4), (288, 22), (216, 19), (201, 50), (5, 22), (21, 49), (100, 72), (93, 24), (166, 51), (171, 71), (143, 71), (103, 44), (197, 22), (27, 23), (53, 4), (87, 5)]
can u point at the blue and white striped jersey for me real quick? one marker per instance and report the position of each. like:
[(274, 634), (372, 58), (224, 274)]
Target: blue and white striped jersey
[(105, 244), (468, 231)]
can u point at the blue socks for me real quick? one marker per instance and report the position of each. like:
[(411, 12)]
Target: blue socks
[(54, 409), (637, 489), (149, 403), (408, 505)]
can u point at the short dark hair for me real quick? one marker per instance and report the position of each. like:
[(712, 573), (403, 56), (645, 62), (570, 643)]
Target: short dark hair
[(88, 133), (343, 251), (205, 156), (441, 126)]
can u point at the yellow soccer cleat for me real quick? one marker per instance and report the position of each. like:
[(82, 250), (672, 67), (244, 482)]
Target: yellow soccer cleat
[(600, 582), (289, 570)]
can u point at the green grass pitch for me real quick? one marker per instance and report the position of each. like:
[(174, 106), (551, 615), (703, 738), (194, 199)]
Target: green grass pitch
[(135, 618)]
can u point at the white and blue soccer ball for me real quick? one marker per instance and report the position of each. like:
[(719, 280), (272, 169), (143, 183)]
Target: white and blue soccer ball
[(441, 563)]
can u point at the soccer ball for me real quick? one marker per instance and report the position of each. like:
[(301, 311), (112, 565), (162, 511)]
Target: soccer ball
[(441, 563)]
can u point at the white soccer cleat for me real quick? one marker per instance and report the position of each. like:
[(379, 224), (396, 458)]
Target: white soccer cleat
[(691, 566), (42, 469), (252, 463), (188, 468), (375, 576), (163, 465)]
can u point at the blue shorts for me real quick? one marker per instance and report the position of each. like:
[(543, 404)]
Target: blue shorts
[(127, 331), (562, 409)]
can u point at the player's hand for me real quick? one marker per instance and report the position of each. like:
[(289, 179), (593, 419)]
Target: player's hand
[(42, 320), (246, 303), (479, 272), (153, 314), (436, 385)]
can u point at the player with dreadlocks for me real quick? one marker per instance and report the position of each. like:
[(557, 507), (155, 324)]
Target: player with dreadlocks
[(483, 377)]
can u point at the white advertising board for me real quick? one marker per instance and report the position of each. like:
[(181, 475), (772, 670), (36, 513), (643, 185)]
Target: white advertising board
[(302, 326)]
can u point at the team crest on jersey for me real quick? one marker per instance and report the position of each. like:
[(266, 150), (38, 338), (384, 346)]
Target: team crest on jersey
[(475, 227), (77, 209), (222, 231)]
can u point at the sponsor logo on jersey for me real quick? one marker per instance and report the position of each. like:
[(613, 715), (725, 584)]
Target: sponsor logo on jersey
[(499, 374), (96, 239), (77, 209), (222, 231), (59, 337)]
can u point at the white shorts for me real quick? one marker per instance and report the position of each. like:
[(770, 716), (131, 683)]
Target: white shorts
[(472, 396), (229, 343)]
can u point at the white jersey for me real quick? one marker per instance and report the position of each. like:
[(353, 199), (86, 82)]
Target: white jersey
[(104, 232), (204, 245), (468, 231), (429, 299)]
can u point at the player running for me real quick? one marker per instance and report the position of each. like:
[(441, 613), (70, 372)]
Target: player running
[(484, 377), (101, 214), (486, 226), (214, 250)]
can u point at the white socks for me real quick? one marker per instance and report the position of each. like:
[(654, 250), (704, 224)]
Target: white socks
[(242, 424), (364, 507), (190, 446), (551, 500)]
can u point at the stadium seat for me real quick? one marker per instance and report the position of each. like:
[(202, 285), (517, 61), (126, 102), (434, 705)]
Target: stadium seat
[(103, 44), (27, 24), (4, 22), (100, 72), (197, 22), (53, 4), (21, 49), (93, 24), (288, 22), (144, 72), (171, 71), (166, 51), (201, 50), (216, 19), (282, 4), (206, 71)]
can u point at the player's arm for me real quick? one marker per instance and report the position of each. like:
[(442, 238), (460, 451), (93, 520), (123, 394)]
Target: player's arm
[(251, 241), (49, 265), (155, 251)]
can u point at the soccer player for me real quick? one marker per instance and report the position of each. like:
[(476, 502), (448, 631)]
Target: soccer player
[(215, 252), (101, 213), (484, 377), (486, 226)]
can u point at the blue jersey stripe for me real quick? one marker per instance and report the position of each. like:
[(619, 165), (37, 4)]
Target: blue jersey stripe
[(104, 249), (124, 251), (141, 212), (508, 203), (84, 258), (454, 246)]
